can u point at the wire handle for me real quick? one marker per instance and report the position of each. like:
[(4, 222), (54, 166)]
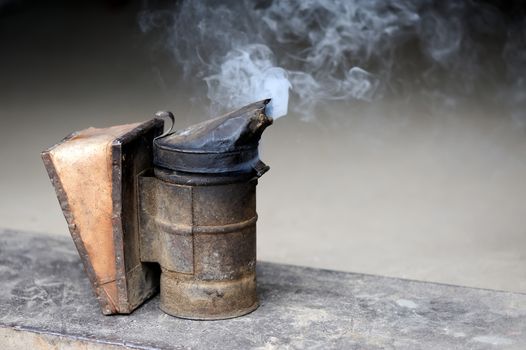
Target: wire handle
[(163, 115)]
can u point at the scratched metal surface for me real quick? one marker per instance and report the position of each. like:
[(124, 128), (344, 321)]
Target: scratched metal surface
[(44, 290)]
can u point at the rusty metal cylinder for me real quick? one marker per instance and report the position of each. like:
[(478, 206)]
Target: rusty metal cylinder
[(217, 226), (198, 215)]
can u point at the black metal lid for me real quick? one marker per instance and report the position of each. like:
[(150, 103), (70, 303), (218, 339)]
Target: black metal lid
[(224, 144)]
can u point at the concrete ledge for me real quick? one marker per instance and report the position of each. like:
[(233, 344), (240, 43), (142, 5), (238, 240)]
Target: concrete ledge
[(46, 302)]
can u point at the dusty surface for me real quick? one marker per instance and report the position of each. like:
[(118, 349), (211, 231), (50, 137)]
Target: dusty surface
[(46, 291), (398, 191)]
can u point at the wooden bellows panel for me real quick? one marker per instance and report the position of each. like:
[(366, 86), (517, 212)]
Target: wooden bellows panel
[(95, 175)]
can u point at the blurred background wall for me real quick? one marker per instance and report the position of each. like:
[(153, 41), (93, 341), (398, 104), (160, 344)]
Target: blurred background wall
[(394, 186)]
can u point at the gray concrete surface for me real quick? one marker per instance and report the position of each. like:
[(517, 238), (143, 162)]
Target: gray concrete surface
[(397, 189), (46, 301)]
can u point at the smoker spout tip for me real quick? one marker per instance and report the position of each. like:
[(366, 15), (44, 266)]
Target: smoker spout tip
[(269, 119)]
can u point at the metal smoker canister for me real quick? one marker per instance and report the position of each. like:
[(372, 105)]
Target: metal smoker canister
[(198, 215)]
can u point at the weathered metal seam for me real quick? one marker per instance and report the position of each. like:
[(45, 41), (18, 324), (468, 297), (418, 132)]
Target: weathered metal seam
[(186, 230), (192, 195), (117, 229)]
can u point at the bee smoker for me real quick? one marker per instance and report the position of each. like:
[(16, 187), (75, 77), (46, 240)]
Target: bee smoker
[(174, 210)]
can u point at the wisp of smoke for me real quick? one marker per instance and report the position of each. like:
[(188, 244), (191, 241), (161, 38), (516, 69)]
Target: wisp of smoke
[(353, 50), (248, 74)]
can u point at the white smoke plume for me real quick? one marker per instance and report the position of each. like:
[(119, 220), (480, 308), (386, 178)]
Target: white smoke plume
[(352, 50), (248, 74)]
